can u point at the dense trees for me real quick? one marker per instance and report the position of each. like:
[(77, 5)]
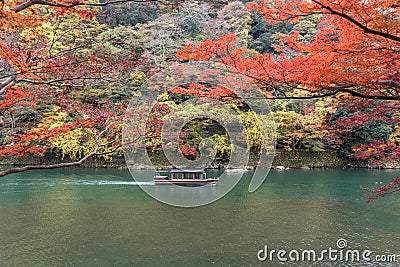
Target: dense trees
[(331, 68), (343, 49), (50, 67)]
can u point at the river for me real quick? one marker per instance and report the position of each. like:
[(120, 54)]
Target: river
[(100, 217)]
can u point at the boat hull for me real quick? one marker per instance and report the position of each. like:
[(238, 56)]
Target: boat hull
[(185, 182)]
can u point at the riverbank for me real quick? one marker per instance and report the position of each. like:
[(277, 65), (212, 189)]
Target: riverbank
[(284, 159)]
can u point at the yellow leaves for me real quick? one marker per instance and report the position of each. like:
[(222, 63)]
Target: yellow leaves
[(222, 144), (308, 123), (288, 119), (68, 31), (53, 118), (138, 78), (163, 97), (74, 143), (252, 129), (67, 143), (71, 143), (258, 129), (79, 143), (394, 137), (300, 90), (325, 107)]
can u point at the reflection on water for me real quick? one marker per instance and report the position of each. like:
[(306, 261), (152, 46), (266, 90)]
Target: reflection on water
[(83, 217)]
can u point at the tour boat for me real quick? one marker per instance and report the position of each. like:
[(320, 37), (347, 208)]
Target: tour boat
[(184, 178)]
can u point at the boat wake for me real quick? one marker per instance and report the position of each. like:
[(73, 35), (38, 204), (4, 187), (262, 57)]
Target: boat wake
[(74, 182), (105, 182)]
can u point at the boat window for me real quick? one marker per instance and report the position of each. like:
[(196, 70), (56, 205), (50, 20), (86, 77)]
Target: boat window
[(177, 175), (188, 175)]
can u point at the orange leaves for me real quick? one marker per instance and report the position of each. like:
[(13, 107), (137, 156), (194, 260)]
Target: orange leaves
[(13, 56), (178, 90), (376, 149), (11, 20), (221, 92), (17, 96), (339, 53), (376, 15), (199, 90), (83, 12), (208, 49), (38, 140), (21, 150), (188, 150)]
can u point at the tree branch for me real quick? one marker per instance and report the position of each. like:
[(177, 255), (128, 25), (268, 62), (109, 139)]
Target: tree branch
[(30, 3), (357, 23), (95, 152), (332, 91), (7, 83), (377, 97), (46, 167), (65, 164), (375, 193)]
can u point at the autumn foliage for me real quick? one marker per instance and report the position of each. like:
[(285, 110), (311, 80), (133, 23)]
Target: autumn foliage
[(352, 57), (377, 192), (47, 55), (330, 68)]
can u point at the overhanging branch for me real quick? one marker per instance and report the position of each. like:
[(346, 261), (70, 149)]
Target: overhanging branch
[(65, 164), (357, 23), (6, 83), (46, 167), (30, 3)]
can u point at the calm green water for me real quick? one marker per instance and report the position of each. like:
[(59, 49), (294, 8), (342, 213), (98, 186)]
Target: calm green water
[(80, 217)]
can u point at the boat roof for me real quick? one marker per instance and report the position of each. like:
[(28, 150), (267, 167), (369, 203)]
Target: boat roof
[(186, 170)]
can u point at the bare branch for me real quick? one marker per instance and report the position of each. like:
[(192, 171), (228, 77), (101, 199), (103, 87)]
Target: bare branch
[(377, 97), (46, 167), (7, 83), (333, 90), (65, 164), (30, 3)]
